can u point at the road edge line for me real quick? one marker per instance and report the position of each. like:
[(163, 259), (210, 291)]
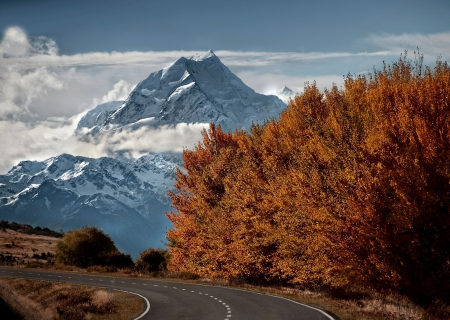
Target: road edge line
[(267, 294), (145, 299), (305, 305)]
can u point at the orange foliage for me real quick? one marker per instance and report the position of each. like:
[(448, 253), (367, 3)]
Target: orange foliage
[(348, 186)]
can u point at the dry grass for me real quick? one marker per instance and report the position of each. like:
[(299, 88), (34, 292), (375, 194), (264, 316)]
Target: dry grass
[(49, 300), (20, 248)]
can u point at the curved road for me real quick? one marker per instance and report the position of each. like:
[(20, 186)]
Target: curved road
[(176, 301)]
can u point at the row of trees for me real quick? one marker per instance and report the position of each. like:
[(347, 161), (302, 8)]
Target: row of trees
[(350, 186), (90, 246)]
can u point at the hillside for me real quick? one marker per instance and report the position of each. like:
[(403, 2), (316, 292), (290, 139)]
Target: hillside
[(21, 244)]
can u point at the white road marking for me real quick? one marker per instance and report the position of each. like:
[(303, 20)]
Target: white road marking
[(146, 300), (148, 303)]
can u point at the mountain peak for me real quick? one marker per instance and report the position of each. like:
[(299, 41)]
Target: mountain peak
[(200, 89), (286, 94), (203, 56), (285, 90)]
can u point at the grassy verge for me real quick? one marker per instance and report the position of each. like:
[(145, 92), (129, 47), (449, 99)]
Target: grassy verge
[(33, 299)]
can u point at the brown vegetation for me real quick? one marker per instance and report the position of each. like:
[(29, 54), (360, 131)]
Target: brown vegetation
[(17, 248), (48, 300), (350, 187)]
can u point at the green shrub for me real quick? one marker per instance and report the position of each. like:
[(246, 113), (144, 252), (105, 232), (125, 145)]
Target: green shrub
[(86, 247), (152, 260)]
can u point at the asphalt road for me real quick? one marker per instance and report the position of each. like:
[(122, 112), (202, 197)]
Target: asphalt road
[(178, 301)]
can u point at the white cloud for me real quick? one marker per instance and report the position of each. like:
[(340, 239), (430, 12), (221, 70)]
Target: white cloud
[(270, 83), (431, 45), (34, 141), (120, 91), (144, 139), (238, 58), (20, 141), (15, 43), (19, 89)]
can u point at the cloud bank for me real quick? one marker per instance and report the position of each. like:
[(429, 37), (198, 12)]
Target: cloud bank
[(431, 45), (43, 94)]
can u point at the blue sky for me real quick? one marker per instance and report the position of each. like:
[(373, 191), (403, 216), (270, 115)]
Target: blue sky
[(60, 58), (300, 26)]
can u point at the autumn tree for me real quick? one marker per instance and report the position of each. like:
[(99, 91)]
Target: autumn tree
[(350, 186)]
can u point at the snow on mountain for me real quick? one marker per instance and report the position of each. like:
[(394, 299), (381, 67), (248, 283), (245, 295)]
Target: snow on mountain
[(200, 89), (69, 192), (97, 116), (285, 94), (127, 197)]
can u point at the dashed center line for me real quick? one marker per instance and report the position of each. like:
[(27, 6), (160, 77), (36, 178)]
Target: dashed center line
[(183, 289)]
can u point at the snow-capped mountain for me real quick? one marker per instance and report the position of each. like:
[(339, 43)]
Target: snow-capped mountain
[(200, 89), (126, 197), (285, 94), (97, 116)]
